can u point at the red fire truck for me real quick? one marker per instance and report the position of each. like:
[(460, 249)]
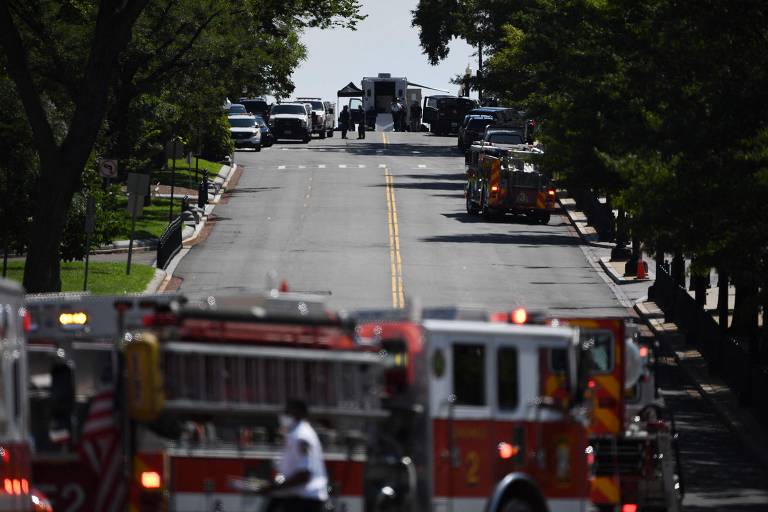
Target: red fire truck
[(206, 432), (15, 454), (634, 462), (73, 387), (468, 427), (505, 179)]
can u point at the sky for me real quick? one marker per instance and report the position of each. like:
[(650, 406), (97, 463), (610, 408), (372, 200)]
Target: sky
[(384, 42)]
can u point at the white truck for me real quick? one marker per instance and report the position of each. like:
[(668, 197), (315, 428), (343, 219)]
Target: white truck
[(378, 93)]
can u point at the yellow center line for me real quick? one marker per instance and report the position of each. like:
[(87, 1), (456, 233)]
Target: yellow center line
[(396, 261)]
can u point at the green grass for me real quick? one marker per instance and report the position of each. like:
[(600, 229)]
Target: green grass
[(185, 174), (103, 278), (153, 221)]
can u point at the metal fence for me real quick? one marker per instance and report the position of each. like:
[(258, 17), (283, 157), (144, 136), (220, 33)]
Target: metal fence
[(728, 356), (170, 243)]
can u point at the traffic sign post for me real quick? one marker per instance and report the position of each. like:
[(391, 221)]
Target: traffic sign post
[(90, 226), (176, 150), (137, 189)]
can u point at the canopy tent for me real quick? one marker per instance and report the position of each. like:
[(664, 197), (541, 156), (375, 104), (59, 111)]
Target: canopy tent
[(349, 91)]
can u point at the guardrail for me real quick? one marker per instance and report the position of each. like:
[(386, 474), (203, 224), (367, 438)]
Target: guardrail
[(170, 242), (726, 355)]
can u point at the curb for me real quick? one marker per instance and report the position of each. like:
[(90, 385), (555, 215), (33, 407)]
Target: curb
[(579, 221), (121, 246), (715, 392), (171, 268), (155, 283), (605, 263)]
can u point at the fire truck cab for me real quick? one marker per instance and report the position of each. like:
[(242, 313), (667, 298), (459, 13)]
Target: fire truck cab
[(468, 428), (506, 179), (15, 452)]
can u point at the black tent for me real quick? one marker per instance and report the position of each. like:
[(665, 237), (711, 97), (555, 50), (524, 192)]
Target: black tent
[(349, 91)]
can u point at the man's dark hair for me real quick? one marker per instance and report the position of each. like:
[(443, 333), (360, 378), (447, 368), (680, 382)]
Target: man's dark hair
[(297, 408)]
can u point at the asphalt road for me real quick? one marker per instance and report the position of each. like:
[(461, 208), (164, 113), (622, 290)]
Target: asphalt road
[(373, 223)]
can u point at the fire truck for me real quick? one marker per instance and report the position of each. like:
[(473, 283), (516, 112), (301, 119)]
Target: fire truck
[(505, 179), (205, 426), (632, 443), (15, 452), (73, 389), (468, 427)]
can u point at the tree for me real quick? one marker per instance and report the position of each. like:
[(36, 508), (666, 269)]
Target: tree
[(67, 58)]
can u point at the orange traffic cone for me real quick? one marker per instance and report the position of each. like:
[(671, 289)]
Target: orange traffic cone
[(640, 269), (283, 286)]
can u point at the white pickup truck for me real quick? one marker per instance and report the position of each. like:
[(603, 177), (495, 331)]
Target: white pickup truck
[(291, 121)]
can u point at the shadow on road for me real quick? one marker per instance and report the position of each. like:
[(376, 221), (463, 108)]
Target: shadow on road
[(531, 239)]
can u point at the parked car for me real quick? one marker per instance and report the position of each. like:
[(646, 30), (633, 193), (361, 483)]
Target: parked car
[(245, 131), (267, 138), (236, 109), (291, 121), (444, 113), (472, 129)]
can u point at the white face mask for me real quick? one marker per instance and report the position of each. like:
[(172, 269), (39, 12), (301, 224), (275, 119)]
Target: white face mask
[(286, 422)]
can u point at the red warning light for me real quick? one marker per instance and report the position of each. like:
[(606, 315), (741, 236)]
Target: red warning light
[(507, 451), (519, 316), (643, 351)]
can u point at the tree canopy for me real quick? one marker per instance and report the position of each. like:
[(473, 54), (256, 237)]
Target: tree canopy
[(119, 77)]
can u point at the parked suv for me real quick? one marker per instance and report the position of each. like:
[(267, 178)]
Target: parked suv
[(319, 115), (256, 106), (290, 121), (245, 131)]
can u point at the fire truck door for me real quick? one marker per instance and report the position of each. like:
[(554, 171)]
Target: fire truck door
[(606, 337), (461, 420)]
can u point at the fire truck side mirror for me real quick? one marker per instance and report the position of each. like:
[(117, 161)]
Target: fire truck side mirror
[(143, 378)]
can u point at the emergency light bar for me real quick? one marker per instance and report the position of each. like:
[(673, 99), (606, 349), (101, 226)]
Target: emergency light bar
[(73, 320)]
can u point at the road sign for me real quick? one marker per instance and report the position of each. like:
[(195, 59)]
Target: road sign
[(174, 149), (138, 184), (90, 216), (135, 205), (108, 168)]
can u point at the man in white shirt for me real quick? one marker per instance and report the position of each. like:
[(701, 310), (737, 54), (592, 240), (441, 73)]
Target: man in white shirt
[(302, 482)]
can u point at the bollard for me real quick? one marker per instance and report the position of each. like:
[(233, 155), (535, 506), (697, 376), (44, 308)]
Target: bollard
[(202, 191), (185, 204)]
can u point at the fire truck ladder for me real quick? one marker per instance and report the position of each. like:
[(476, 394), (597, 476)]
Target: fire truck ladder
[(213, 378)]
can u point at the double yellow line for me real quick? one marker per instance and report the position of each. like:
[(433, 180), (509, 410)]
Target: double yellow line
[(396, 261)]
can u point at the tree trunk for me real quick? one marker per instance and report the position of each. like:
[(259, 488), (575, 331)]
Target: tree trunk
[(678, 269), (54, 195), (747, 307)]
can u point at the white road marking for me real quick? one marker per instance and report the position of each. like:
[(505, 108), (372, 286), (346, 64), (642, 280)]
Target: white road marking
[(361, 166), (302, 167), (342, 166), (321, 166), (422, 166), (382, 166), (281, 167)]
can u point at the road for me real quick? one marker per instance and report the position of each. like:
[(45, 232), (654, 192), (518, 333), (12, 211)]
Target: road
[(373, 223)]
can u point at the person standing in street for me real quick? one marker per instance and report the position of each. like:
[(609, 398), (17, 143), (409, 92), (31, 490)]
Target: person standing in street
[(396, 108), (415, 116), (361, 126), (302, 481), (344, 119)]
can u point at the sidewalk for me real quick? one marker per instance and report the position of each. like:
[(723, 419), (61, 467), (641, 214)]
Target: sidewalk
[(740, 421)]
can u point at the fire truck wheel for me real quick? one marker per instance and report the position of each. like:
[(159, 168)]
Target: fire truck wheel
[(515, 505), (322, 134), (543, 218), (330, 133)]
